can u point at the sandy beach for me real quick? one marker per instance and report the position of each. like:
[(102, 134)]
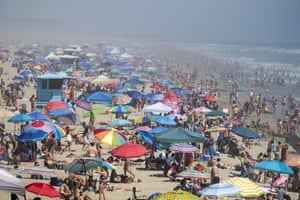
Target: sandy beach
[(150, 182)]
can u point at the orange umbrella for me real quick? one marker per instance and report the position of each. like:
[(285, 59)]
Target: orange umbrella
[(210, 98)]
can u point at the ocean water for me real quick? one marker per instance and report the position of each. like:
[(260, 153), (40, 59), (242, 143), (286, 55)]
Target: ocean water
[(260, 54)]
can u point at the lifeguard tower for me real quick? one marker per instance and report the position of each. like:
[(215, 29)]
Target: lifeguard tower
[(49, 88)]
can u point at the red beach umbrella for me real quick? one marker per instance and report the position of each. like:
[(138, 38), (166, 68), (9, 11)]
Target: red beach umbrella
[(43, 189), (53, 105), (210, 98), (129, 150)]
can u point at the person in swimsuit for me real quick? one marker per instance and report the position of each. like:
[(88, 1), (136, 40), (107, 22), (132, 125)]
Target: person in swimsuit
[(103, 183)]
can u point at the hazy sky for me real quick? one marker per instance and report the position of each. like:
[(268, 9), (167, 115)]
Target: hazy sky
[(173, 20)]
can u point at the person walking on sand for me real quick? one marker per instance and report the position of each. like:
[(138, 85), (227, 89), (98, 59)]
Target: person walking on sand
[(103, 182), (126, 168)]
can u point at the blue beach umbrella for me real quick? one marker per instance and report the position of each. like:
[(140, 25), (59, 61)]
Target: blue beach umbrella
[(166, 121), (32, 135), (18, 78), (60, 112), (120, 122), (220, 190), (39, 116), (274, 166), (21, 118), (26, 73), (245, 133)]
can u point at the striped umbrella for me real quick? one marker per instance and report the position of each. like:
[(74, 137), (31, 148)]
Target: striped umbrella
[(191, 173), (249, 188), (183, 147), (122, 109), (110, 136)]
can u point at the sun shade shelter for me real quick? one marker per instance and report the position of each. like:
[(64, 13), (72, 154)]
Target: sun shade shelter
[(179, 135)]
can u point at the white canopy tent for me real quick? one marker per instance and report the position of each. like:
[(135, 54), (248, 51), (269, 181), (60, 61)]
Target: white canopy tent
[(157, 108), (10, 183)]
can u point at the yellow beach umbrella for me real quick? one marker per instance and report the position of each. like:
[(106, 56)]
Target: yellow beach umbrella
[(249, 188), (176, 195)]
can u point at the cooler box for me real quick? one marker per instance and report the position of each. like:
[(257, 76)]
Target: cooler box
[(206, 157), (217, 154)]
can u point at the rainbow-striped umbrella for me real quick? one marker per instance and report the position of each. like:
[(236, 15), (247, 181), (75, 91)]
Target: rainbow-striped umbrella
[(122, 109), (110, 136)]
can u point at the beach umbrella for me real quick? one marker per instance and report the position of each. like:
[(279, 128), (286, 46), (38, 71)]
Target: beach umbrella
[(40, 125), (32, 135), (39, 116), (110, 136), (293, 161), (99, 97), (176, 194), (152, 196), (43, 189), (120, 122), (248, 187), (210, 98), (142, 119), (96, 111), (26, 73), (108, 165), (220, 190), (191, 173), (156, 97), (129, 150), (83, 104), (82, 165), (245, 132), (216, 113), (143, 128), (274, 166), (122, 99), (60, 112), (18, 78), (279, 180), (21, 118), (14, 86), (54, 105), (111, 85), (183, 147), (202, 109), (59, 130), (122, 109), (157, 86), (166, 121)]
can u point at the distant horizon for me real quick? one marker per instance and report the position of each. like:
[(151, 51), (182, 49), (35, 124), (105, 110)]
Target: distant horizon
[(197, 21)]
